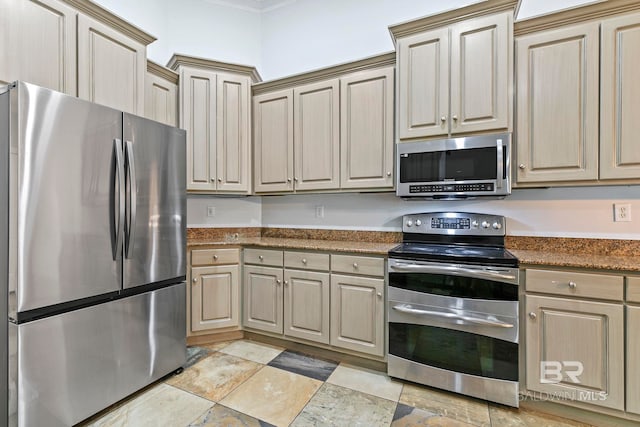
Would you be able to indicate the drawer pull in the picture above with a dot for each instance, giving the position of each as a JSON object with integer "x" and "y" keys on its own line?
{"x": 260, "y": 257}
{"x": 304, "y": 260}
{"x": 215, "y": 257}
{"x": 573, "y": 285}
{"x": 355, "y": 265}
{"x": 532, "y": 316}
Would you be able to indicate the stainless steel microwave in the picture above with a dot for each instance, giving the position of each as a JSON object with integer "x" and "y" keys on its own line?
{"x": 455, "y": 168}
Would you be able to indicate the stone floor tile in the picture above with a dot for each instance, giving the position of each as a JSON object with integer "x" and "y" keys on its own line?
{"x": 512, "y": 417}
{"x": 367, "y": 381}
{"x": 221, "y": 416}
{"x": 304, "y": 365}
{"x": 257, "y": 352}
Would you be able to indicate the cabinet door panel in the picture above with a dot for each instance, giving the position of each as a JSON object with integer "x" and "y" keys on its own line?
{"x": 633, "y": 356}
{"x": 564, "y": 332}
{"x": 357, "y": 314}
{"x": 215, "y": 296}
{"x": 557, "y": 100}
{"x": 306, "y": 305}
{"x": 262, "y": 294}
{"x": 317, "y": 136}
{"x": 366, "y": 125}
{"x": 619, "y": 149}
{"x": 198, "y": 106}
{"x": 423, "y": 84}
{"x": 111, "y": 67}
{"x": 38, "y": 44}
{"x": 480, "y": 74}
{"x": 233, "y": 152}
{"x": 161, "y": 100}
{"x": 273, "y": 141}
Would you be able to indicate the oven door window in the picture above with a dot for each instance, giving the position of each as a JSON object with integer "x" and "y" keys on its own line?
{"x": 455, "y": 351}
{"x": 456, "y": 165}
{"x": 454, "y": 286}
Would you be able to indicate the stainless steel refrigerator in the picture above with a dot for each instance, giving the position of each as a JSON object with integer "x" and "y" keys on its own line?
{"x": 92, "y": 255}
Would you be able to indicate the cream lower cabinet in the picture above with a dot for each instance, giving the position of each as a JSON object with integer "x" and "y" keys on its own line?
{"x": 575, "y": 347}
{"x": 357, "y": 313}
{"x": 215, "y": 110}
{"x": 111, "y": 67}
{"x": 38, "y": 43}
{"x": 306, "y": 305}
{"x": 456, "y": 79}
{"x": 262, "y": 296}
{"x": 633, "y": 344}
{"x": 214, "y": 290}
{"x": 161, "y": 94}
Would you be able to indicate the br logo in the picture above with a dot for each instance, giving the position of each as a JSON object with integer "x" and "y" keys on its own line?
{"x": 553, "y": 371}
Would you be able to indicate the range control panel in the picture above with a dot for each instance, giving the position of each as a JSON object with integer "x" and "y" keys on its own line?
{"x": 454, "y": 223}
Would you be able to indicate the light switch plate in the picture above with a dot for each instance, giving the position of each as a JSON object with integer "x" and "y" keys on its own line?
{"x": 211, "y": 211}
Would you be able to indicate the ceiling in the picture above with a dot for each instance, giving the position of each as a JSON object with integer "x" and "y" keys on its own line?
{"x": 253, "y": 5}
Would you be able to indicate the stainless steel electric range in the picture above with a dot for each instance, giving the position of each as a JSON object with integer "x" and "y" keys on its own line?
{"x": 453, "y": 306}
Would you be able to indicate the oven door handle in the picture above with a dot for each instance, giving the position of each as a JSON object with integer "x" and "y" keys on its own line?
{"x": 480, "y": 273}
{"x": 486, "y": 322}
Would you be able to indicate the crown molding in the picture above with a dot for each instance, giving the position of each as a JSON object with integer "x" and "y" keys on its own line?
{"x": 108, "y": 18}
{"x": 371, "y": 62}
{"x": 575, "y": 15}
{"x": 443, "y": 19}
{"x": 162, "y": 72}
{"x": 178, "y": 60}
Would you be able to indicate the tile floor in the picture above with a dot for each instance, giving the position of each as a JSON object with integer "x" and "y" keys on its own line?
{"x": 244, "y": 383}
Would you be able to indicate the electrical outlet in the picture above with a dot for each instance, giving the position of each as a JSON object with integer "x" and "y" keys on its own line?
{"x": 319, "y": 211}
{"x": 622, "y": 212}
{"x": 211, "y": 211}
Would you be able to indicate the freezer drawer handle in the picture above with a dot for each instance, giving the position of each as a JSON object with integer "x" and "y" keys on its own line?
{"x": 117, "y": 188}
{"x": 132, "y": 189}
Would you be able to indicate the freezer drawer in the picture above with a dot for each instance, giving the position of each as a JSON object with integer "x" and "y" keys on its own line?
{"x": 75, "y": 364}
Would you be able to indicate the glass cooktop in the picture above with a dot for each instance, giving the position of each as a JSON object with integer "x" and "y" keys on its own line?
{"x": 458, "y": 254}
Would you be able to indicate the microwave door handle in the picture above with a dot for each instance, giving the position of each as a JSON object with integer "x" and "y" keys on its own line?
{"x": 487, "y": 322}
{"x": 500, "y": 165}
{"x": 455, "y": 270}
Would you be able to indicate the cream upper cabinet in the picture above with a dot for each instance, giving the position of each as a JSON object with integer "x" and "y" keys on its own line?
{"x": 423, "y": 84}
{"x": 366, "y": 129}
{"x": 111, "y": 67}
{"x": 38, "y": 43}
{"x": 233, "y": 152}
{"x": 633, "y": 356}
{"x": 481, "y": 70}
{"x": 198, "y": 118}
{"x": 273, "y": 141}
{"x": 215, "y": 110}
{"x": 306, "y": 305}
{"x": 557, "y": 104}
{"x": 620, "y": 103}
{"x": 456, "y": 79}
{"x": 161, "y": 94}
{"x": 316, "y": 124}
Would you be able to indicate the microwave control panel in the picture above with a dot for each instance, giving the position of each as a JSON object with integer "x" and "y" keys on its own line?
{"x": 450, "y": 188}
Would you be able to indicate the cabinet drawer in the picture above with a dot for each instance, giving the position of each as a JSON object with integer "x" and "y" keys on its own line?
{"x": 263, "y": 257}
{"x": 633, "y": 289}
{"x": 370, "y": 266}
{"x": 306, "y": 260}
{"x": 569, "y": 283}
{"x": 214, "y": 256}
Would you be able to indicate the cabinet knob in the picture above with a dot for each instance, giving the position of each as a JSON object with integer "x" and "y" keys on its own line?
{"x": 260, "y": 257}
{"x": 443, "y": 119}
{"x": 355, "y": 265}
{"x": 379, "y": 294}
{"x": 286, "y": 282}
{"x": 278, "y": 281}
{"x": 219, "y": 179}
{"x": 455, "y": 118}
{"x": 194, "y": 280}
{"x": 215, "y": 257}
{"x": 304, "y": 260}
{"x": 573, "y": 285}
{"x": 288, "y": 179}
{"x": 295, "y": 179}
{"x": 522, "y": 166}
{"x": 532, "y": 316}
{"x": 388, "y": 173}
{"x": 213, "y": 180}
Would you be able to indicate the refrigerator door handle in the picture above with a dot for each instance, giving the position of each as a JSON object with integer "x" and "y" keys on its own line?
{"x": 132, "y": 199}
{"x": 119, "y": 216}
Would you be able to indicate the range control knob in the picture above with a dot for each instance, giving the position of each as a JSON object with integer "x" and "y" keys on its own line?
{"x": 497, "y": 225}
{"x": 418, "y": 223}
{"x": 485, "y": 224}
{"x": 474, "y": 224}
{"x": 409, "y": 223}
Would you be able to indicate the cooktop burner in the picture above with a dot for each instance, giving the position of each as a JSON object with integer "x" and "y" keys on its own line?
{"x": 459, "y": 254}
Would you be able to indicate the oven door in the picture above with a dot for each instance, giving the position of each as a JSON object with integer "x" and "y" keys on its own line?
{"x": 455, "y": 327}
